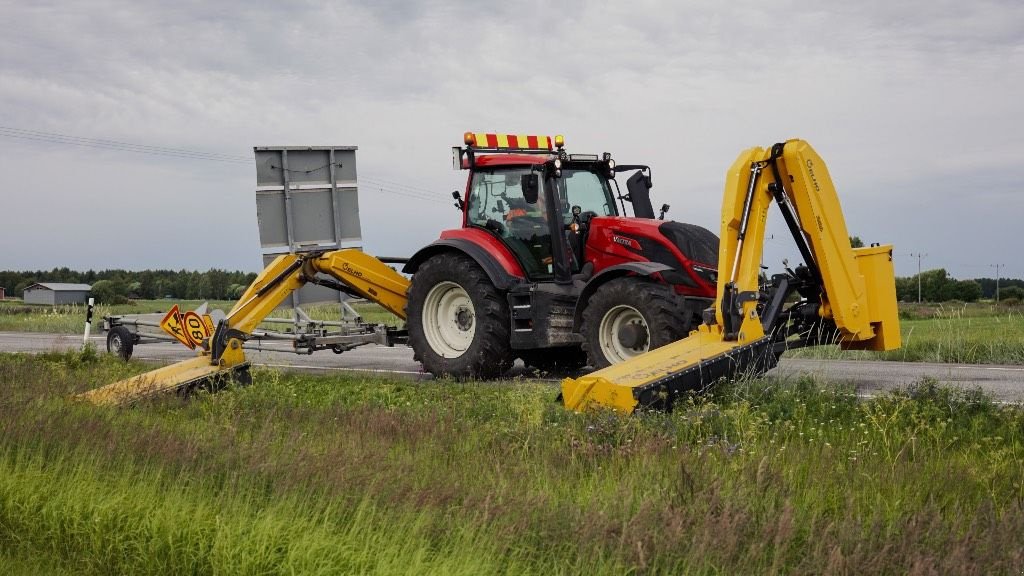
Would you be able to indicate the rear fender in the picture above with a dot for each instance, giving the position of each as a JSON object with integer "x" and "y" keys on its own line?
{"x": 500, "y": 277}
{"x": 646, "y": 269}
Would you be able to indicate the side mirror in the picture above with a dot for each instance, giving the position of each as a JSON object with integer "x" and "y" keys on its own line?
{"x": 530, "y": 183}
{"x": 640, "y": 195}
{"x": 459, "y": 203}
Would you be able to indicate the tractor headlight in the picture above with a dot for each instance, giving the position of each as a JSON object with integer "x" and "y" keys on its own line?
{"x": 558, "y": 163}
{"x": 611, "y": 164}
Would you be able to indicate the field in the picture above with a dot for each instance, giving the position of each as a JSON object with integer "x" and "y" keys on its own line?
{"x": 345, "y": 475}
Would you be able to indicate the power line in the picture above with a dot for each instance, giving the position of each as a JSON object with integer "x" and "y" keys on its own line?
{"x": 400, "y": 185}
{"x": 373, "y": 183}
{"x": 406, "y": 194}
{"x": 100, "y": 143}
{"x": 380, "y": 184}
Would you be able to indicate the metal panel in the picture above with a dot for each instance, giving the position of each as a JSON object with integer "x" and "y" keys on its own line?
{"x": 38, "y": 296}
{"x": 270, "y": 215}
{"x": 307, "y": 198}
{"x": 348, "y": 214}
{"x": 69, "y": 297}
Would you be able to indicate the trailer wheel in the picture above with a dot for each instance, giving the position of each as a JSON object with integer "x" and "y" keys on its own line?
{"x": 629, "y": 316}
{"x": 458, "y": 321}
{"x": 120, "y": 342}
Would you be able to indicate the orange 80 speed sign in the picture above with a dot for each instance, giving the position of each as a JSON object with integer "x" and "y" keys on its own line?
{"x": 189, "y": 328}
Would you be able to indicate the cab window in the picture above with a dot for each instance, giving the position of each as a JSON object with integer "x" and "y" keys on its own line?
{"x": 496, "y": 202}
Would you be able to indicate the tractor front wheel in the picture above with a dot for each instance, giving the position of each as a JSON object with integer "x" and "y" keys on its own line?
{"x": 458, "y": 321}
{"x": 629, "y": 316}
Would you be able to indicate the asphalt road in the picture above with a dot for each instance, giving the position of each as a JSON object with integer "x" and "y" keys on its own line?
{"x": 1004, "y": 383}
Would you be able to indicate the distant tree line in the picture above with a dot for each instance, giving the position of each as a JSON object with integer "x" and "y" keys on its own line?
{"x": 988, "y": 287}
{"x": 117, "y": 286}
{"x": 938, "y": 286}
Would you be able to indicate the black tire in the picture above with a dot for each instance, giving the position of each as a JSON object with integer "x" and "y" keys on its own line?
{"x": 487, "y": 353}
{"x": 120, "y": 342}
{"x": 556, "y": 361}
{"x": 661, "y": 310}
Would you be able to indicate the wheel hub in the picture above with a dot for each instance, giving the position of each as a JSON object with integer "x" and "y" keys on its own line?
{"x": 633, "y": 335}
{"x": 464, "y": 318}
{"x": 623, "y": 334}
{"x": 449, "y": 320}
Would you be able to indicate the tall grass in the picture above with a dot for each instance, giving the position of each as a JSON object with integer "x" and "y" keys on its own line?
{"x": 70, "y": 318}
{"x": 341, "y": 475}
{"x": 954, "y": 334}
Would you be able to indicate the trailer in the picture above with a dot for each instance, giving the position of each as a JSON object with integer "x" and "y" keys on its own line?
{"x": 299, "y": 334}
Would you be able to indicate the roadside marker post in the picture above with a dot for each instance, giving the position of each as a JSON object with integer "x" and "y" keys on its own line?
{"x": 88, "y": 321}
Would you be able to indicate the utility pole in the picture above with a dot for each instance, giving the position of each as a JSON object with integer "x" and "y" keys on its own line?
{"x": 919, "y": 257}
{"x": 997, "y": 267}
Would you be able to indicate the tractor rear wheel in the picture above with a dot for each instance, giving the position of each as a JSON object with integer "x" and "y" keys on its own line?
{"x": 629, "y": 316}
{"x": 458, "y": 321}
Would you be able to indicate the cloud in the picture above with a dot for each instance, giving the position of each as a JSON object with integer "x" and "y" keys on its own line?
{"x": 913, "y": 104}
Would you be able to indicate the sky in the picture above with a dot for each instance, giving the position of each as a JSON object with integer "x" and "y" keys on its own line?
{"x": 914, "y": 105}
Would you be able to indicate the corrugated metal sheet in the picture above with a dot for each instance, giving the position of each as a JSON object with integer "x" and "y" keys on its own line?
{"x": 60, "y": 287}
{"x": 53, "y": 293}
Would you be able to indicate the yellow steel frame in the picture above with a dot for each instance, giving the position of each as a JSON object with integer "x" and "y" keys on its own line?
{"x": 359, "y": 272}
{"x": 859, "y": 284}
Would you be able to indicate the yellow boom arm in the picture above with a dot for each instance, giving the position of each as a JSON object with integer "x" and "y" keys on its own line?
{"x": 351, "y": 271}
{"x": 848, "y": 295}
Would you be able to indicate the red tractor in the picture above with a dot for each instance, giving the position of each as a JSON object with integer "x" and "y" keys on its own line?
{"x": 548, "y": 267}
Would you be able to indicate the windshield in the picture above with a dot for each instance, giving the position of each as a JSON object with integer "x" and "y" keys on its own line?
{"x": 587, "y": 190}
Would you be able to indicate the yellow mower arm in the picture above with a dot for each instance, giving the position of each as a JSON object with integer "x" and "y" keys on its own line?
{"x": 847, "y": 295}
{"x": 352, "y": 271}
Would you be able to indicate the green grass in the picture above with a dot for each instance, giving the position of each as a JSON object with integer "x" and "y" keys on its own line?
{"x": 967, "y": 334}
{"x": 342, "y": 475}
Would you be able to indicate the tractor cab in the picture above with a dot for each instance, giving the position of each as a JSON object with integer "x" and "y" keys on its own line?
{"x": 538, "y": 199}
